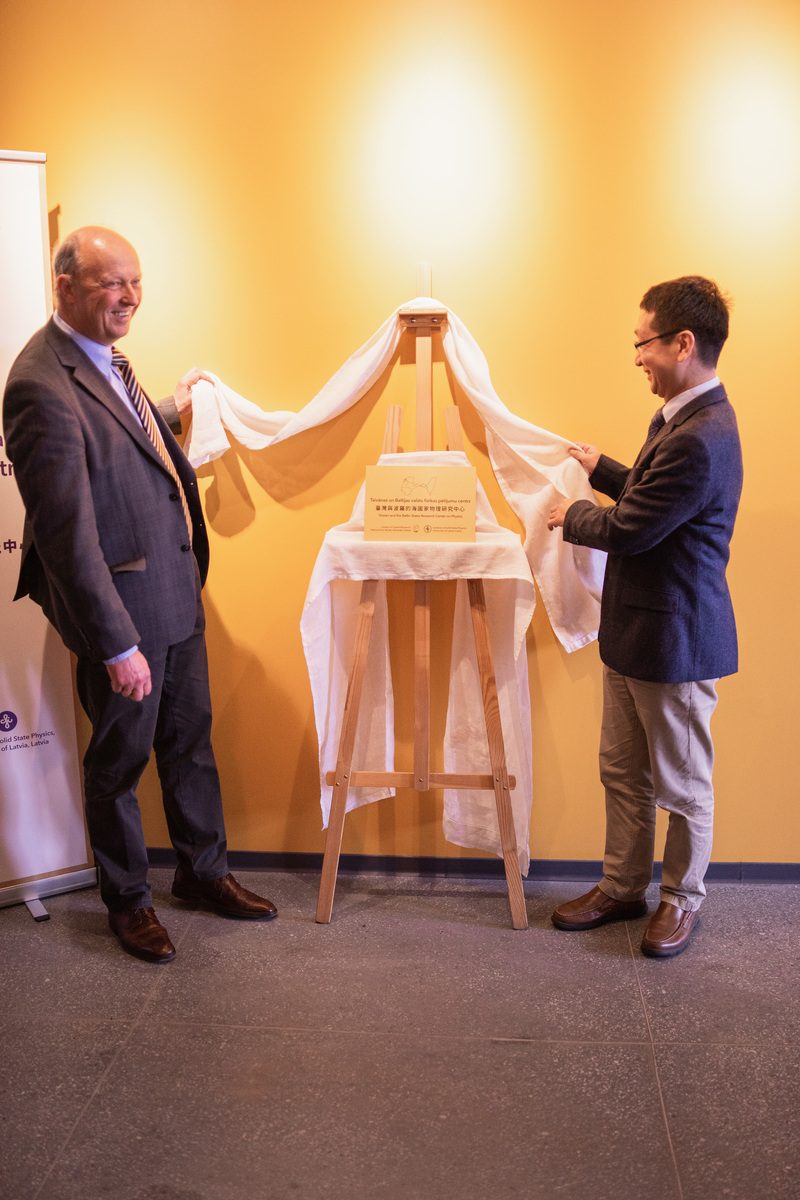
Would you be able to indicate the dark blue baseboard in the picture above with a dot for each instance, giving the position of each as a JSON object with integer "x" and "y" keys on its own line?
{"x": 541, "y": 868}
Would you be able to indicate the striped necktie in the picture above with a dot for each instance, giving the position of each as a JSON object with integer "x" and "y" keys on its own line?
{"x": 655, "y": 425}
{"x": 142, "y": 406}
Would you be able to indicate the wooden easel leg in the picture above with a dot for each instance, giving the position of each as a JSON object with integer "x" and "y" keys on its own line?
{"x": 424, "y": 358}
{"x": 333, "y": 841}
{"x": 497, "y": 753}
{"x": 422, "y": 684}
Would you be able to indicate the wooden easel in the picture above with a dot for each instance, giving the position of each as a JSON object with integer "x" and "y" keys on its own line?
{"x": 422, "y": 778}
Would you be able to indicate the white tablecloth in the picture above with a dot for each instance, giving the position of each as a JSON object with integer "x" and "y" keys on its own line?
{"x": 328, "y": 628}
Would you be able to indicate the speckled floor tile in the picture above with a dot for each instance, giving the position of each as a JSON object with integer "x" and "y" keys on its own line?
{"x": 737, "y": 981}
{"x": 734, "y": 1117}
{"x": 415, "y": 1048}
{"x": 233, "y": 1115}
{"x": 49, "y": 1070}
{"x": 429, "y": 959}
{"x": 72, "y": 965}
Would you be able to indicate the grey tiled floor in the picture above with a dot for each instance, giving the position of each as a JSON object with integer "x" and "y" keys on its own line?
{"x": 417, "y": 1047}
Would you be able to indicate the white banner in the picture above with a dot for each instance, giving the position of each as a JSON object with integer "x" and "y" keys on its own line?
{"x": 43, "y": 843}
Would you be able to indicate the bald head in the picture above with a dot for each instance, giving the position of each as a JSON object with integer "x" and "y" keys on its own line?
{"x": 98, "y": 283}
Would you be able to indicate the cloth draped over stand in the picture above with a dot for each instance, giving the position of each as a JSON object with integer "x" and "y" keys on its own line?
{"x": 534, "y": 470}
{"x": 328, "y": 628}
{"x": 532, "y": 466}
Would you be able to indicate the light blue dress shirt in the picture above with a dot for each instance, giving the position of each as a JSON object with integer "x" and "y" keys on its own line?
{"x": 101, "y": 357}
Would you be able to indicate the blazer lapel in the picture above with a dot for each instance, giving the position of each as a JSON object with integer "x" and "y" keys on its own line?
{"x": 713, "y": 396}
{"x": 86, "y": 374}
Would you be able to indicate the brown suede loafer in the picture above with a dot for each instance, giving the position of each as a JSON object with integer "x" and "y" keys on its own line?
{"x": 596, "y": 908}
{"x": 223, "y": 895}
{"x": 669, "y": 931}
{"x": 141, "y": 933}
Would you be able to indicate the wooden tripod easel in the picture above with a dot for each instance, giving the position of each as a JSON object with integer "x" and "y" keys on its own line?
{"x": 422, "y": 778}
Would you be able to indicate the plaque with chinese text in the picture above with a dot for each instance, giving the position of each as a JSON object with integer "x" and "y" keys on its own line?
{"x": 420, "y": 504}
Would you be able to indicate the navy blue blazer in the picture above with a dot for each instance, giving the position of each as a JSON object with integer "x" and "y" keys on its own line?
{"x": 105, "y": 548}
{"x": 666, "y": 613}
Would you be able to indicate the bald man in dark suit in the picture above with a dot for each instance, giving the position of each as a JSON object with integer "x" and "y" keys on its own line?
{"x": 115, "y": 551}
{"x": 667, "y": 630}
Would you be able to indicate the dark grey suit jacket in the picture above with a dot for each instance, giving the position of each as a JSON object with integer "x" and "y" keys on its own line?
{"x": 666, "y": 612}
{"x": 105, "y": 550}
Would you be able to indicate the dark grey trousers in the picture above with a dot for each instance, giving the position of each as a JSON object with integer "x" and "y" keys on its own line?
{"x": 174, "y": 721}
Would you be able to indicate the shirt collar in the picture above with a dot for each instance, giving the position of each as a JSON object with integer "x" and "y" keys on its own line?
{"x": 677, "y": 402}
{"x": 99, "y": 354}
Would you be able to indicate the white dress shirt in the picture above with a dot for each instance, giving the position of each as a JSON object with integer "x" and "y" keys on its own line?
{"x": 677, "y": 402}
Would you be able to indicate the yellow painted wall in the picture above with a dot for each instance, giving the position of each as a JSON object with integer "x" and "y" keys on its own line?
{"x": 282, "y": 169}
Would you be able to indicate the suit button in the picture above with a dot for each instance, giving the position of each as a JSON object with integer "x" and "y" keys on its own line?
{"x": 186, "y": 549}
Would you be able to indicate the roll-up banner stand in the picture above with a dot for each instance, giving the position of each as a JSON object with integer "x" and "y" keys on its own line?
{"x": 43, "y": 844}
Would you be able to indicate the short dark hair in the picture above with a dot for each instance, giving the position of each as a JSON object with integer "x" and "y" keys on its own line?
{"x": 695, "y": 303}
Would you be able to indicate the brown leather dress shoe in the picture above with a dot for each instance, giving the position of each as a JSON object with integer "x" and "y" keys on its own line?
{"x": 669, "y": 931}
{"x": 596, "y": 908}
{"x": 141, "y": 933}
{"x": 223, "y": 895}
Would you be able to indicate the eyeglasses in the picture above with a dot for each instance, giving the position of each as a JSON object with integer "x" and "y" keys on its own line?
{"x": 654, "y": 338}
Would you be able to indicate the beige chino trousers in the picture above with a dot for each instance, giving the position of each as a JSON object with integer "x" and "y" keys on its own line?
{"x": 656, "y": 752}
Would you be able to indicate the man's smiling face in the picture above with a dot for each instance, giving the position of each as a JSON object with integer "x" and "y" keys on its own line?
{"x": 100, "y": 299}
{"x": 659, "y": 356}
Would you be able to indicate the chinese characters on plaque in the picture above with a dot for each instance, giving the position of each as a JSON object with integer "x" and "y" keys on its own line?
{"x": 420, "y": 504}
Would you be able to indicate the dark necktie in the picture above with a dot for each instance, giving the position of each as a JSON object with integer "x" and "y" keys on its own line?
{"x": 142, "y": 406}
{"x": 655, "y": 425}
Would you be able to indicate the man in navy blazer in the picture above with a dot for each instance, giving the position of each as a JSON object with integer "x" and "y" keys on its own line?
{"x": 115, "y": 551}
{"x": 667, "y": 630}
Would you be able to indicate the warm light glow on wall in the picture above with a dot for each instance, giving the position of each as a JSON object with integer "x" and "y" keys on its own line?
{"x": 550, "y": 160}
{"x": 747, "y": 143}
{"x": 437, "y": 154}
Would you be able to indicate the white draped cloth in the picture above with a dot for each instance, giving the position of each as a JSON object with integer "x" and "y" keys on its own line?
{"x": 328, "y": 628}
{"x": 532, "y": 466}
{"x": 535, "y": 471}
